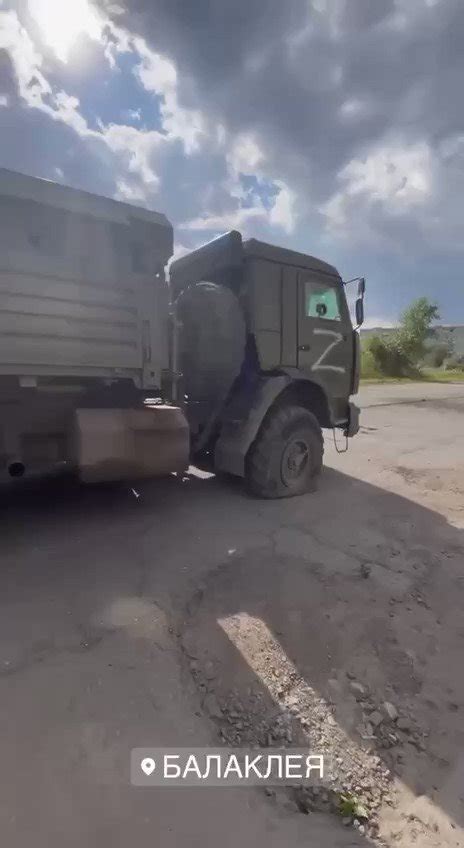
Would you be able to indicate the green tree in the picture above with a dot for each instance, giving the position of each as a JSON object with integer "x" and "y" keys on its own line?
{"x": 409, "y": 339}
{"x": 399, "y": 353}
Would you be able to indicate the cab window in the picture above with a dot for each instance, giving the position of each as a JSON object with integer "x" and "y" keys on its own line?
{"x": 321, "y": 301}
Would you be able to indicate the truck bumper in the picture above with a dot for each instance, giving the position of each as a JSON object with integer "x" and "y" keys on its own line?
{"x": 353, "y": 420}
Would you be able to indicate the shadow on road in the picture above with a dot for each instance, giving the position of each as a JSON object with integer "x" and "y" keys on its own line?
{"x": 274, "y": 596}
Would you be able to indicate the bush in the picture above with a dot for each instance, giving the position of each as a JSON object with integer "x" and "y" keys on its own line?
{"x": 436, "y": 355}
{"x": 387, "y": 357}
{"x": 454, "y": 363}
{"x": 398, "y": 354}
{"x": 369, "y": 370}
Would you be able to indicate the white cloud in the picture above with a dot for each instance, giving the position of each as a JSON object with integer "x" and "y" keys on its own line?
{"x": 400, "y": 195}
{"x": 397, "y": 175}
{"x": 3, "y": 100}
{"x": 130, "y": 192}
{"x": 392, "y": 180}
{"x": 62, "y": 22}
{"x": 156, "y": 73}
{"x": 159, "y": 76}
{"x": 282, "y": 214}
{"x": 245, "y": 156}
{"x": 134, "y": 148}
{"x": 135, "y": 114}
{"x": 451, "y": 149}
{"x": 373, "y": 323}
{"x": 179, "y": 250}
{"x": 117, "y": 40}
{"x": 34, "y": 88}
{"x": 137, "y": 149}
{"x": 66, "y": 109}
{"x": 355, "y": 108}
{"x": 26, "y": 59}
{"x": 239, "y": 219}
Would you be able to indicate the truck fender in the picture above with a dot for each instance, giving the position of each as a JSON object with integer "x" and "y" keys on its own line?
{"x": 244, "y": 416}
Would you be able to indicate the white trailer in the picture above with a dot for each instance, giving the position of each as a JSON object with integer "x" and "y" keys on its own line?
{"x": 83, "y": 331}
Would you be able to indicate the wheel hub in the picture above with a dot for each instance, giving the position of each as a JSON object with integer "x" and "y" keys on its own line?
{"x": 295, "y": 460}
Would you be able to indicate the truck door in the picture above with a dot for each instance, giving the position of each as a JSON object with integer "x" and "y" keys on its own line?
{"x": 325, "y": 334}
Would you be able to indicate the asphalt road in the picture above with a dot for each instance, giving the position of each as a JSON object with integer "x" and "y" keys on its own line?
{"x": 96, "y": 587}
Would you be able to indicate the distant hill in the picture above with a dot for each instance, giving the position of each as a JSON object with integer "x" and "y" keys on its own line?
{"x": 441, "y": 333}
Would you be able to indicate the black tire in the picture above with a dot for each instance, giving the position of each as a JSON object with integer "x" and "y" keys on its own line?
{"x": 286, "y": 458}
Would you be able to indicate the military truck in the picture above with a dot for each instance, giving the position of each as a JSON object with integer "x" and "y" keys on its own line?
{"x": 238, "y": 361}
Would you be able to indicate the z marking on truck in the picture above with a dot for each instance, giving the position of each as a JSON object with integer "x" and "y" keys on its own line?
{"x": 337, "y": 338}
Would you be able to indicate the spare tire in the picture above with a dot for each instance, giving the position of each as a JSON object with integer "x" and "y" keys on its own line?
{"x": 211, "y": 340}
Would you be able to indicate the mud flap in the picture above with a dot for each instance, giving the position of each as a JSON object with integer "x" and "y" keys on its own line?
{"x": 353, "y": 420}
{"x": 120, "y": 444}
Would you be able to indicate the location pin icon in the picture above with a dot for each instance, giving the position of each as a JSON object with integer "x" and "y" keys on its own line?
{"x": 148, "y": 766}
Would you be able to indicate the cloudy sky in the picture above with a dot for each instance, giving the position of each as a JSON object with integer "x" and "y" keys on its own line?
{"x": 335, "y": 127}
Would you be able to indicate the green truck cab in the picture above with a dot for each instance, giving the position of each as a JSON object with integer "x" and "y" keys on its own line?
{"x": 291, "y": 359}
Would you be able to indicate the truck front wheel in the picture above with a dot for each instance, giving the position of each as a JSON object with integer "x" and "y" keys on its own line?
{"x": 286, "y": 458}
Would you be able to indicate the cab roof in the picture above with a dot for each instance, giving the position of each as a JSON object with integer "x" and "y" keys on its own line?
{"x": 262, "y": 250}
{"x": 225, "y": 255}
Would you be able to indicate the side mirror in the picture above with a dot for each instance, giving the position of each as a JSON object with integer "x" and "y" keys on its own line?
{"x": 361, "y": 287}
{"x": 359, "y": 307}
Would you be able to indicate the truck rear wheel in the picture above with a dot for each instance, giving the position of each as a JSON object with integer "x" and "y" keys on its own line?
{"x": 286, "y": 458}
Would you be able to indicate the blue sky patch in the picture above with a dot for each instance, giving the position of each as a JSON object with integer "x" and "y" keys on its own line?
{"x": 257, "y": 190}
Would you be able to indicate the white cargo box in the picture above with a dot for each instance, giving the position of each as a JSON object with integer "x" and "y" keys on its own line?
{"x": 82, "y": 287}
